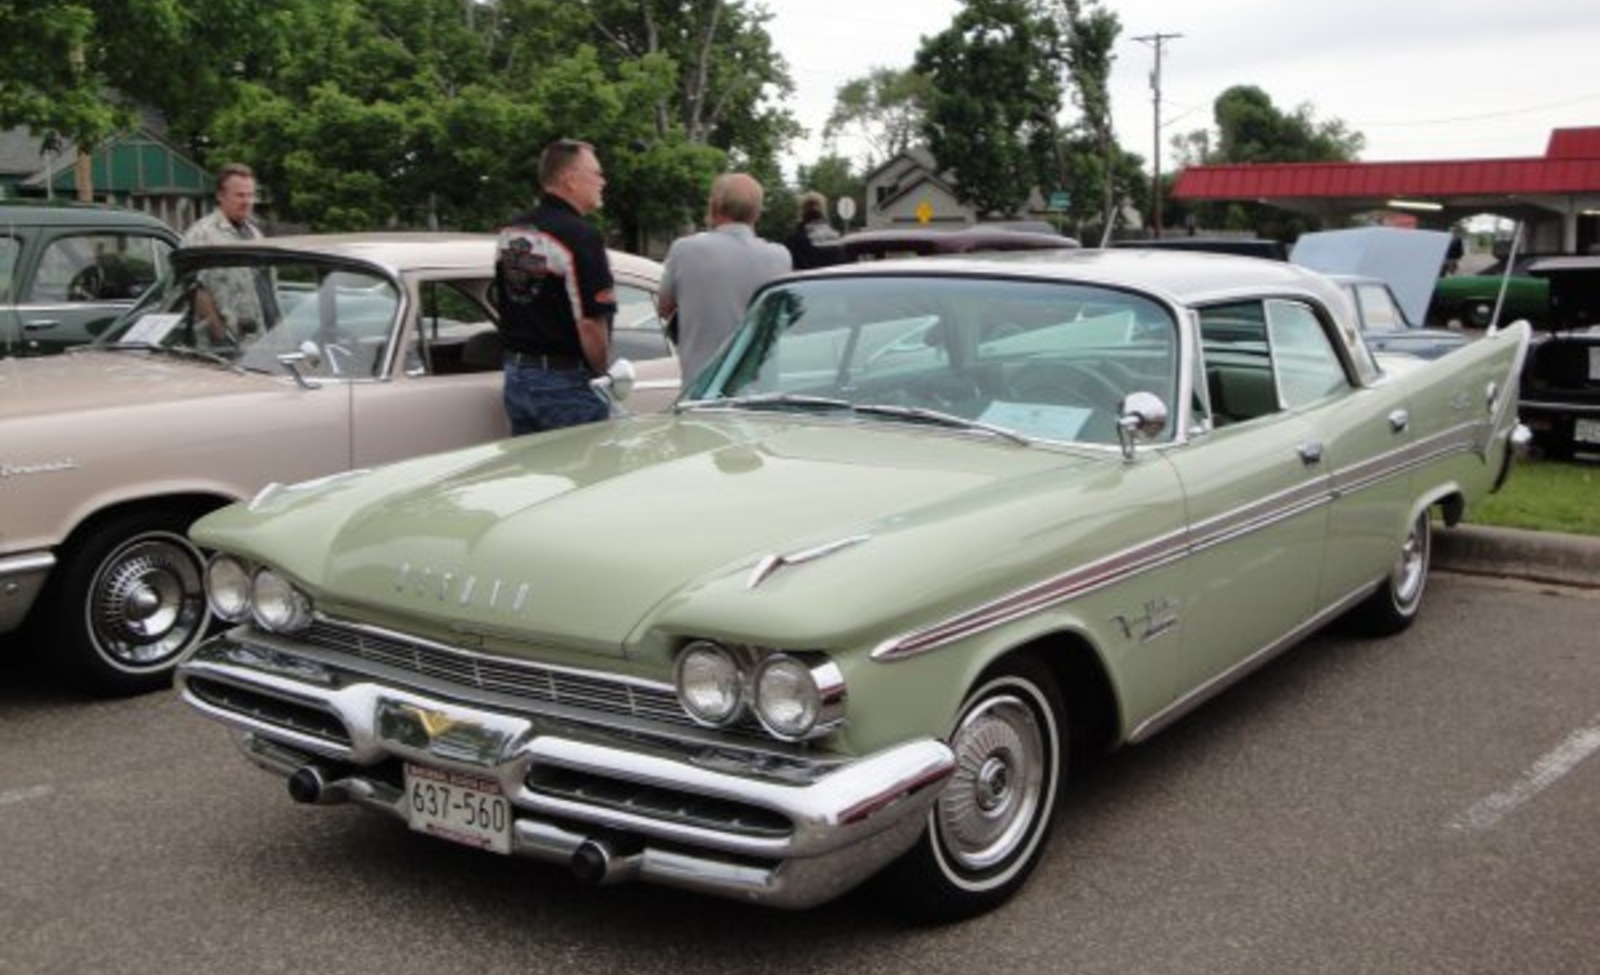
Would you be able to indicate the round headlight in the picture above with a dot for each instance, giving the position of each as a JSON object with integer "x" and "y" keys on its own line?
{"x": 788, "y": 701}
{"x": 710, "y": 686}
{"x": 279, "y": 606}
{"x": 228, "y": 588}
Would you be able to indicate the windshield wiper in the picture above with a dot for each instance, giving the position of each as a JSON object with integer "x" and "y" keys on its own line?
{"x": 923, "y": 415}
{"x": 915, "y": 413}
{"x": 178, "y": 351}
{"x": 769, "y": 401}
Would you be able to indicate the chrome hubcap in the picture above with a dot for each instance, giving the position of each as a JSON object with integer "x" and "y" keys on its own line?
{"x": 148, "y": 602}
{"x": 993, "y": 799}
{"x": 1410, "y": 569}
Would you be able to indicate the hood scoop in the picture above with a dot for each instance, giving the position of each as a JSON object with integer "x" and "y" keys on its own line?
{"x": 771, "y": 564}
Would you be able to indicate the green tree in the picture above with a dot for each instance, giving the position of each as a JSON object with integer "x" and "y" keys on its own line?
{"x": 375, "y": 113}
{"x": 1251, "y": 129}
{"x": 82, "y": 68}
{"x": 886, "y": 110}
{"x": 991, "y": 119}
{"x": 1090, "y": 177}
{"x": 1088, "y": 35}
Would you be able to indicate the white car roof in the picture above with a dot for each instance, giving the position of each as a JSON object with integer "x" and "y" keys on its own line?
{"x": 1187, "y": 277}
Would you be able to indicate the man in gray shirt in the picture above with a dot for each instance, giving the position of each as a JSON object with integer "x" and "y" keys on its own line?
{"x": 710, "y": 276}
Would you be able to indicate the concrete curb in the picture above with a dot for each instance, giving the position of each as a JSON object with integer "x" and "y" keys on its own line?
{"x": 1568, "y": 560}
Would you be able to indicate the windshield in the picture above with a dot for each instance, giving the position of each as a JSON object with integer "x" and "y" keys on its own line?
{"x": 248, "y": 309}
{"x": 1038, "y": 359}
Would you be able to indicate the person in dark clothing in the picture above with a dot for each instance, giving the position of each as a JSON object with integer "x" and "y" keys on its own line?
{"x": 814, "y": 242}
{"x": 556, "y": 297}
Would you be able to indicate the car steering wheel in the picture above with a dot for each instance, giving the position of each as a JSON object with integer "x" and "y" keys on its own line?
{"x": 87, "y": 284}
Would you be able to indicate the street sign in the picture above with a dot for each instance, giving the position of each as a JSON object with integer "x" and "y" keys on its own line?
{"x": 924, "y": 212}
{"x": 846, "y": 208}
{"x": 1060, "y": 200}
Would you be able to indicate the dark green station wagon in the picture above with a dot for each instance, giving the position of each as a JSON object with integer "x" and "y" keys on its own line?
{"x": 68, "y": 270}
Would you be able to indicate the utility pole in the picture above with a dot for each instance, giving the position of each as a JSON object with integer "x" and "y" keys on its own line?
{"x": 1156, "y": 41}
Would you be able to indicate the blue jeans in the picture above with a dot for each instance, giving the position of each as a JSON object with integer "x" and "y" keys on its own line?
{"x": 546, "y": 399}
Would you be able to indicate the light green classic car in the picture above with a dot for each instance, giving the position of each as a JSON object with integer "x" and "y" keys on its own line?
{"x": 925, "y": 531}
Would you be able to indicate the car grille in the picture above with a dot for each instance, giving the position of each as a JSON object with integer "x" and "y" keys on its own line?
{"x": 271, "y": 710}
{"x": 515, "y": 678}
{"x": 654, "y": 802}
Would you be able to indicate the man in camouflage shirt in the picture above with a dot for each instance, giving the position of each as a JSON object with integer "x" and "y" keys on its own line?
{"x": 232, "y": 303}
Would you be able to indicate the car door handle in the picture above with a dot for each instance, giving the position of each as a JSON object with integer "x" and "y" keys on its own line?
{"x": 40, "y": 324}
{"x": 1311, "y": 452}
{"x": 1399, "y": 420}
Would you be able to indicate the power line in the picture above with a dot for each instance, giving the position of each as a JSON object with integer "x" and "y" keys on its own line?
{"x": 1484, "y": 115}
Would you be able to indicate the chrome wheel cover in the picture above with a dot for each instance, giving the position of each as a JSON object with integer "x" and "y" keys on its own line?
{"x": 147, "y": 602}
{"x": 1410, "y": 573}
{"x": 990, "y": 806}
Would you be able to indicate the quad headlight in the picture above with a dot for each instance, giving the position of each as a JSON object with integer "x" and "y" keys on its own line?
{"x": 277, "y": 605}
{"x": 710, "y": 683}
{"x": 239, "y": 591}
{"x": 228, "y": 588}
{"x": 793, "y": 696}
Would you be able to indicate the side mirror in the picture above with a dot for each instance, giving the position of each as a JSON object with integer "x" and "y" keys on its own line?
{"x": 619, "y": 380}
{"x": 1140, "y": 419}
{"x": 308, "y": 355}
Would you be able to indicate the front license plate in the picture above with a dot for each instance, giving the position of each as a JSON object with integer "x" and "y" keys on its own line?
{"x": 460, "y": 808}
{"x": 1586, "y": 431}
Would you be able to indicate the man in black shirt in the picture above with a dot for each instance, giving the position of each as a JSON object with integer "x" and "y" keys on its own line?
{"x": 556, "y": 297}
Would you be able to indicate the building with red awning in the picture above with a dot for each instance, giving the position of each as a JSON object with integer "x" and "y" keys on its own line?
{"x": 1556, "y": 196}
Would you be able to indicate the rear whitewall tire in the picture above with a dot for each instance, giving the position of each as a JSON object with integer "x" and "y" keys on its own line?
{"x": 1394, "y": 605}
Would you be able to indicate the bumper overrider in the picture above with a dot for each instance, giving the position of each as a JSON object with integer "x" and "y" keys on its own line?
{"x": 615, "y": 797}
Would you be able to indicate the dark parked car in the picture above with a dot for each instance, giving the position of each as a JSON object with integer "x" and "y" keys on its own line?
{"x": 1271, "y": 250}
{"x": 1470, "y": 299}
{"x": 1387, "y": 328}
{"x": 1561, "y": 380}
{"x": 68, "y": 270}
{"x": 873, "y": 245}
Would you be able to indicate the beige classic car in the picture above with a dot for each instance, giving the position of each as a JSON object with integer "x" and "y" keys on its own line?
{"x": 358, "y": 350}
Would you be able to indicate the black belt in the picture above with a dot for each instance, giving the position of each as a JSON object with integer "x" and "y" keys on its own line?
{"x": 554, "y": 361}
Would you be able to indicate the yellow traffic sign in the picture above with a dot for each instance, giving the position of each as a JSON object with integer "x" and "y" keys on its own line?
{"x": 924, "y": 212}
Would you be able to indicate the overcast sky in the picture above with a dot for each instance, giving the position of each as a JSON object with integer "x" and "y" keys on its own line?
{"x": 1421, "y": 79}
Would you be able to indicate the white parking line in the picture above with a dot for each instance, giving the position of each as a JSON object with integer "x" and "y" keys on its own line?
{"x": 1547, "y": 771}
{"x": 13, "y": 796}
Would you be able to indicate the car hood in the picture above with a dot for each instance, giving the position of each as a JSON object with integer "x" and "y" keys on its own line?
{"x": 589, "y": 539}
{"x": 91, "y": 379}
{"x": 1407, "y": 260}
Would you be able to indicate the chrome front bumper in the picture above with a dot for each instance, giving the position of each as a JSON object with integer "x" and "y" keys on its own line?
{"x": 22, "y": 577}
{"x": 730, "y": 819}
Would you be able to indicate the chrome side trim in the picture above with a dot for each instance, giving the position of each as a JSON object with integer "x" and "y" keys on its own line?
{"x": 1225, "y": 527}
{"x": 1069, "y": 585}
{"x": 1257, "y": 515}
{"x": 772, "y": 563}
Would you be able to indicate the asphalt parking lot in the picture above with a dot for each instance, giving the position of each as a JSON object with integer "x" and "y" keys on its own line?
{"x": 1420, "y": 804}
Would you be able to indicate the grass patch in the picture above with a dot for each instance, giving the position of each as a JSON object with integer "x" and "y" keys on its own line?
{"x": 1544, "y": 495}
